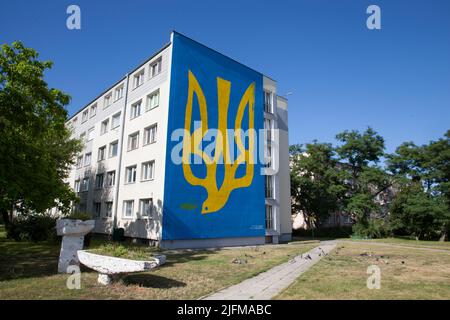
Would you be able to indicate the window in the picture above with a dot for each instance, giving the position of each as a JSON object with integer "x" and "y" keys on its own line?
{"x": 115, "y": 121}
{"x": 138, "y": 78}
{"x": 110, "y": 178}
{"x": 148, "y": 170}
{"x": 155, "y": 68}
{"x": 128, "y": 208}
{"x": 85, "y": 184}
{"x": 79, "y": 161}
{"x": 133, "y": 141}
{"x": 87, "y": 159}
{"x": 269, "y": 186}
{"x": 118, "y": 93}
{"x": 268, "y": 102}
{"x": 93, "y": 110}
{"x": 74, "y": 121}
{"x": 150, "y": 134}
{"x": 113, "y": 146}
{"x": 269, "y": 216}
{"x": 83, "y": 136}
{"x": 135, "y": 109}
{"x": 97, "y": 209}
{"x": 109, "y": 208}
{"x": 85, "y": 115}
{"x": 107, "y": 101}
{"x": 77, "y": 186}
{"x": 99, "y": 181}
{"x": 152, "y": 100}
{"x": 268, "y": 128}
{"x": 101, "y": 153}
{"x": 268, "y": 156}
{"x": 131, "y": 174}
{"x": 91, "y": 133}
{"x": 146, "y": 207}
{"x": 104, "y": 126}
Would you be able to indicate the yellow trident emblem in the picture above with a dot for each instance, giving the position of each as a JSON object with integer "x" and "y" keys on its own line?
{"x": 218, "y": 196}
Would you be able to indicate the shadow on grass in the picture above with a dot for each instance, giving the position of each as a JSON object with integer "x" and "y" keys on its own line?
{"x": 27, "y": 259}
{"x": 20, "y": 260}
{"x": 148, "y": 280}
{"x": 185, "y": 256}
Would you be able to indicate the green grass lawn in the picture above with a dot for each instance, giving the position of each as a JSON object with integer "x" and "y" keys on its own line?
{"x": 405, "y": 274}
{"x": 28, "y": 271}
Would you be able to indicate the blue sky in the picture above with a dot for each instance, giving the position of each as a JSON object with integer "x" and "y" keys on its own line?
{"x": 341, "y": 75}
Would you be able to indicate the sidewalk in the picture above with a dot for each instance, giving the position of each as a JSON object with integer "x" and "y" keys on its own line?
{"x": 268, "y": 284}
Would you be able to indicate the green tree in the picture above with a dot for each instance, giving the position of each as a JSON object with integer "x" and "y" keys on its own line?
{"x": 36, "y": 148}
{"x": 316, "y": 182}
{"x": 423, "y": 206}
{"x": 359, "y": 154}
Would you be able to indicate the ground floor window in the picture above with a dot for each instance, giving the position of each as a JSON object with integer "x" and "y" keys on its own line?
{"x": 269, "y": 216}
{"x": 146, "y": 207}
{"x": 109, "y": 208}
{"x": 97, "y": 209}
{"x": 128, "y": 208}
{"x": 269, "y": 186}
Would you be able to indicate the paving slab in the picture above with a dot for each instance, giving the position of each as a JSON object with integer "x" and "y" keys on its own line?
{"x": 268, "y": 284}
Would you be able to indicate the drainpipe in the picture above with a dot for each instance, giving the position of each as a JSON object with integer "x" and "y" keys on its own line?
{"x": 121, "y": 152}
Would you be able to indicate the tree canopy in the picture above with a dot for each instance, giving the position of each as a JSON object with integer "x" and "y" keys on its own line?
{"x": 348, "y": 177}
{"x": 36, "y": 148}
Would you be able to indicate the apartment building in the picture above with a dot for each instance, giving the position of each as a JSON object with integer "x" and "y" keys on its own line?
{"x": 142, "y": 169}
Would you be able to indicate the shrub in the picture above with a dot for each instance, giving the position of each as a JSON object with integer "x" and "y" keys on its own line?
{"x": 32, "y": 228}
{"x": 373, "y": 229}
{"x": 79, "y": 215}
{"x": 325, "y": 232}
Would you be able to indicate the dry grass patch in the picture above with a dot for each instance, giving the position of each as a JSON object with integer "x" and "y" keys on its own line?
{"x": 405, "y": 274}
{"x": 442, "y": 245}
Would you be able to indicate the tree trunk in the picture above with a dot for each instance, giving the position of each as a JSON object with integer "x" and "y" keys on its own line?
{"x": 443, "y": 236}
{"x": 5, "y": 216}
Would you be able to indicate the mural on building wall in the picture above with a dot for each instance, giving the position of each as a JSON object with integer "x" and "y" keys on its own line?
{"x": 217, "y": 189}
{"x": 218, "y": 194}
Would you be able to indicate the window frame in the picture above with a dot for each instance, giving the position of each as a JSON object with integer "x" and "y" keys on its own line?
{"x": 89, "y": 132}
{"x": 133, "y": 174}
{"x": 268, "y": 102}
{"x": 155, "y": 93}
{"x": 104, "y": 128}
{"x": 141, "y": 208}
{"x": 130, "y": 137}
{"x": 93, "y": 113}
{"x": 117, "y": 115}
{"x": 107, "y": 214}
{"x": 156, "y": 62}
{"x": 116, "y": 143}
{"x": 110, "y": 182}
{"x": 147, "y": 131}
{"x": 125, "y": 209}
{"x": 135, "y": 106}
{"x": 102, "y": 175}
{"x": 85, "y": 115}
{"x": 90, "y": 159}
{"x": 138, "y": 78}
{"x": 107, "y": 100}
{"x": 269, "y": 221}
{"x": 152, "y": 170}
{"x": 102, "y": 153}
{"x": 118, "y": 89}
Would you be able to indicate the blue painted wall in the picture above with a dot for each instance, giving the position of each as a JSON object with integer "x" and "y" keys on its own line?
{"x": 243, "y": 213}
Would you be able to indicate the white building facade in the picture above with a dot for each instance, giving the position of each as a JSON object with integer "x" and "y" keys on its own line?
{"x": 121, "y": 177}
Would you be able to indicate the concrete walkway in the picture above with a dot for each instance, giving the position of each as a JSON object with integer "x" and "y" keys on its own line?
{"x": 268, "y": 284}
